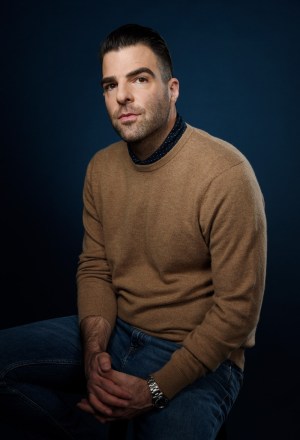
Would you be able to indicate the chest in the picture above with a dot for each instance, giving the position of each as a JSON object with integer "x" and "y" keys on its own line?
{"x": 154, "y": 215}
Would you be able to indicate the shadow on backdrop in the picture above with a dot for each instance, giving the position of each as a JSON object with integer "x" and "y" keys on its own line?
{"x": 238, "y": 66}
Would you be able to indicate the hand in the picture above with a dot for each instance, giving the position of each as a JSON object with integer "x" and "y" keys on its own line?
{"x": 113, "y": 395}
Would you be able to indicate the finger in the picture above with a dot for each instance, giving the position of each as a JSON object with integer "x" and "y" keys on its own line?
{"x": 85, "y": 406}
{"x": 104, "y": 402}
{"x": 104, "y": 419}
{"x": 107, "y": 382}
{"x": 99, "y": 406}
{"x": 100, "y": 384}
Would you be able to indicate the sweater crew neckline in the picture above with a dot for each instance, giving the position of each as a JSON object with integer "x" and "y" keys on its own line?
{"x": 167, "y": 157}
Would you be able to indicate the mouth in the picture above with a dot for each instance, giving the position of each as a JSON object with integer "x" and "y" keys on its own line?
{"x": 128, "y": 117}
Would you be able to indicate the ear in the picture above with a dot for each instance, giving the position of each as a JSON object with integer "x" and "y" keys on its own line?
{"x": 174, "y": 89}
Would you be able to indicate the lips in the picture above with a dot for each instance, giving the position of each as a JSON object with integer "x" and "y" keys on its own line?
{"x": 125, "y": 117}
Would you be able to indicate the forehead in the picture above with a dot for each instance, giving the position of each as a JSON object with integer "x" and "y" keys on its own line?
{"x": 126, "y": 59}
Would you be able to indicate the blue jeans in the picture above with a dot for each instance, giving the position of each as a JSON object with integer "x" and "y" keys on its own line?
{"x": 42, "y": 379}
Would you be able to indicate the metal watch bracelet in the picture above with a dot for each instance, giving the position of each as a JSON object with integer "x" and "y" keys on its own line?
{"x": 159, "y": 400}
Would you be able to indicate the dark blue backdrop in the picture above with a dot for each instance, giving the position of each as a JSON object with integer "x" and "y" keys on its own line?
{"x": 238, "y": 66}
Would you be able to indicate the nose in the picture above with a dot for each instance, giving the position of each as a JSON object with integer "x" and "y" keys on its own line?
{"x": 124, "y": 94}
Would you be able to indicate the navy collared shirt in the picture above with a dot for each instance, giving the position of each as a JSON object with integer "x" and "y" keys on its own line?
{"x": 171, "y": 140}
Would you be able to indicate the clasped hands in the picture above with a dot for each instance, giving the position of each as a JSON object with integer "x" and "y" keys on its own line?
{"x": 112, "y": 395}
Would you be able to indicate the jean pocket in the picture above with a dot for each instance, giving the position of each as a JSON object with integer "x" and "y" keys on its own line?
{"x": 229, "y": 377}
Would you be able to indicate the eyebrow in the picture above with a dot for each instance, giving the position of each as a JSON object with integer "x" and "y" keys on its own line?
{"x": 135, "y": 72}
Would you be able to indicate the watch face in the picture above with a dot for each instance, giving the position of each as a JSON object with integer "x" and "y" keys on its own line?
{"x": 161, "y": 402}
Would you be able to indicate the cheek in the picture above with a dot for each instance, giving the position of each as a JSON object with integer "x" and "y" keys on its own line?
{"x": 148, "y": 100}
{"x": 108, "y": 105}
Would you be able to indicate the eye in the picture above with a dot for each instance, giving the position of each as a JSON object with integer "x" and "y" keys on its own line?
{"x": 141, "y": 79}
{"x": 108, "y": 87}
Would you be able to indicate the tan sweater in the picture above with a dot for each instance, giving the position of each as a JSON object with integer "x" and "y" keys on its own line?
{"x": 178, "y": 249}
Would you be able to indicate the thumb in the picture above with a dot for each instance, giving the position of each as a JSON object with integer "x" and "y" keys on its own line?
{"x": 105, "y": 362}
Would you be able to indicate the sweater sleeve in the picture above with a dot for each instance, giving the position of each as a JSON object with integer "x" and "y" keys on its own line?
{"x": 95, "y": 294}
{"x": 232, "y": 222}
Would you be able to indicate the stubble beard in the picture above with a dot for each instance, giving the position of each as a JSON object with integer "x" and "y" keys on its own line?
{"x": 150, "y": 125}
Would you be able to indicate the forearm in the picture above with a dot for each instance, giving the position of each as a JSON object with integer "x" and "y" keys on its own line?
{"x": 95, "y": 332}
{"x": 111, "y": 395}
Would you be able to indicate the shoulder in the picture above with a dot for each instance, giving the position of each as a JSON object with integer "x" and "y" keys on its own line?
{"x": 108, "y": 157}
{"x": 109, "y": 153}
{"x": 220, "y": 164}
{"x": 213, "y": 153}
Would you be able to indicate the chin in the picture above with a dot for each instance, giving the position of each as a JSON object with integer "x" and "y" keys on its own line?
{"x": 129, "y": 137}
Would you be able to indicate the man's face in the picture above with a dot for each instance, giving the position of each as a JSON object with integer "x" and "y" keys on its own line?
{"x": 140, "y": 105}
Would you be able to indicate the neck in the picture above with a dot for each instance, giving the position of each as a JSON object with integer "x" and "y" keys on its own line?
{"x": 143, "y": 149}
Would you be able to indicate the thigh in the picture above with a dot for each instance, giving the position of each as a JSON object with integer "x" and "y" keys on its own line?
{"x": 197, "y": 412}
{"x": 42, "y": 379}
{"x": 45, "y": 351}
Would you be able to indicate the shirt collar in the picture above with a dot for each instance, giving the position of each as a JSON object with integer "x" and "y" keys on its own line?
{"x": 171, "y": 140}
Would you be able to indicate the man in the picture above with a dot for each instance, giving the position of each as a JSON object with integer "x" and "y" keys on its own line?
{"x": 170, "y": 278}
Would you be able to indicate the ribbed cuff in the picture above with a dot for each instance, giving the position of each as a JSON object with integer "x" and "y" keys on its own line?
{"x": 182, "y": 370}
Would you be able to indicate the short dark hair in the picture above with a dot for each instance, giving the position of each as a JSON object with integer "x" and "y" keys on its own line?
{"x": 132, "y": 34}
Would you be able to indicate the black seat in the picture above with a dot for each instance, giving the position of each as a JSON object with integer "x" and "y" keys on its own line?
{"x": 118, "y": 431}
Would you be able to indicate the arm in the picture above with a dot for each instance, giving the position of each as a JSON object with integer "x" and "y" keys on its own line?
{"x": 95, "y": 332}
{"x": 103, "y": 392}
{"x": 95, "y": 294}
{"x": 110, "y": 394}
{"x": 232, "y": 222}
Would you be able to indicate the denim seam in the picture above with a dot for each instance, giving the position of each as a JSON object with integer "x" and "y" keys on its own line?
{"x": 33, "y": 404}
{"x": 15, "y": 365}
{"x": 132, "y": 349}
{"x": 222, "y": 405}
{"x": 227, "y": 397}
{"x": 26, "y": 399}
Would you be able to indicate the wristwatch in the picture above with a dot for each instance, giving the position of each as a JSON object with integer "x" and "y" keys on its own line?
{"x": 159, "y": 400}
